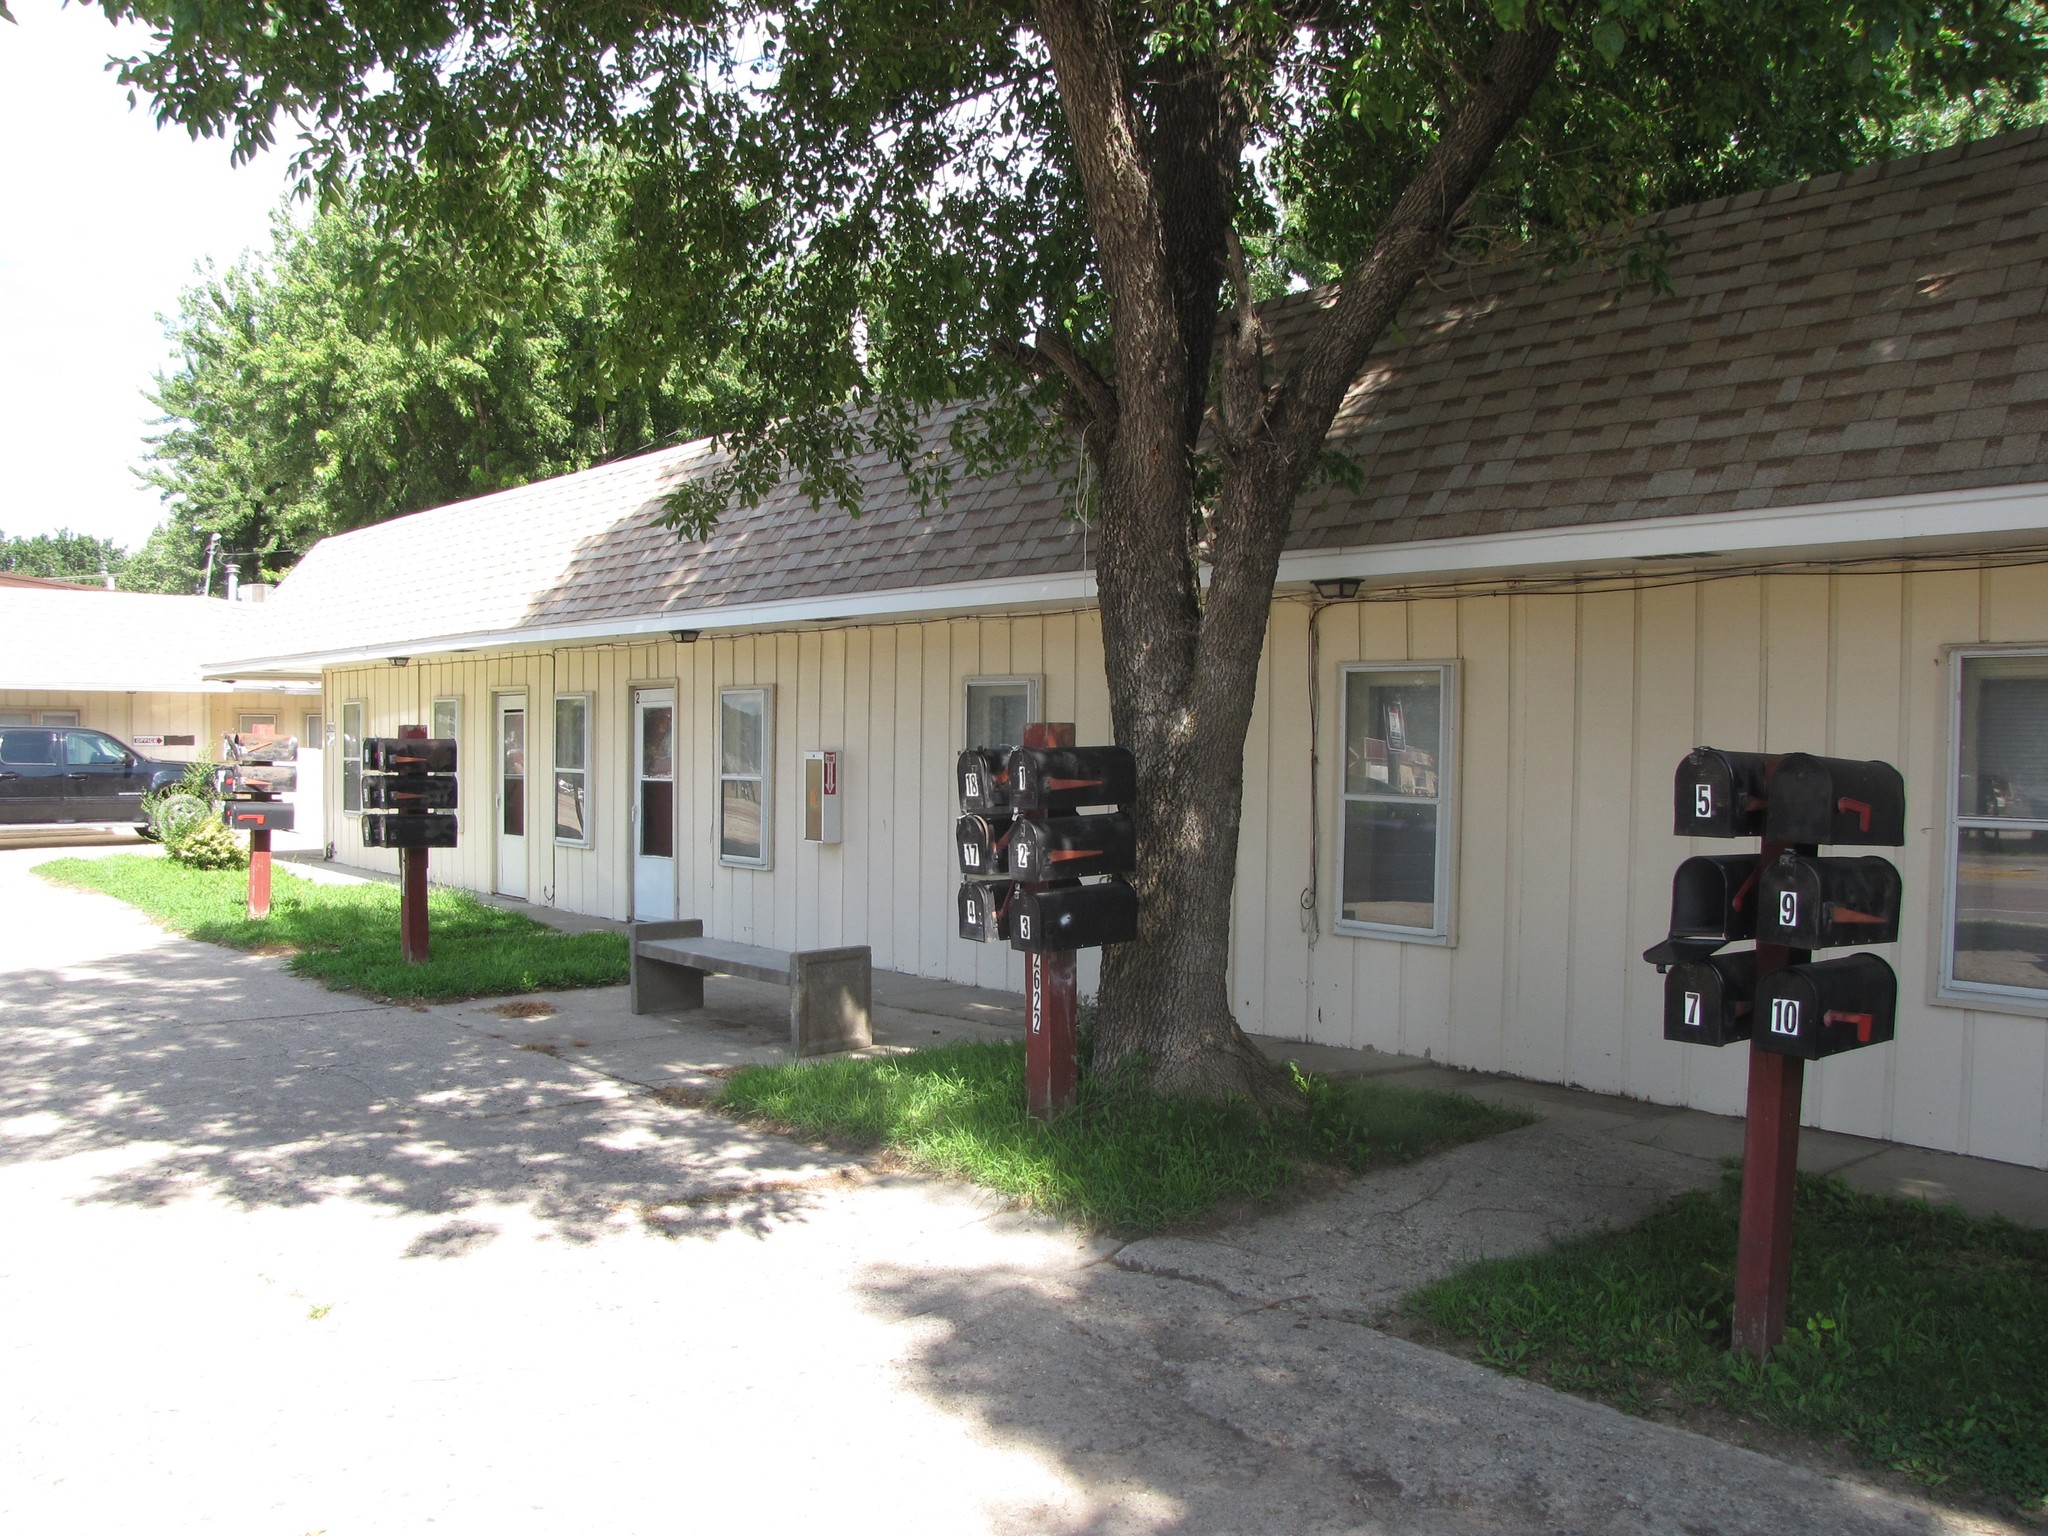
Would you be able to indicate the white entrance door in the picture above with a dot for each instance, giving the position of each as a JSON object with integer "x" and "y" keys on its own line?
{"x": 654, "y": 805}
{"x": 511, "y": 796}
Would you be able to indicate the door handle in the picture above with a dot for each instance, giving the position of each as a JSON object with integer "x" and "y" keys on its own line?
{"x": 9, "y": 775}
{"x": 78, "y": 776}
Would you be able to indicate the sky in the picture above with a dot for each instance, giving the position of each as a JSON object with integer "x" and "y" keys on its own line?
{"x": 103, "y": 219}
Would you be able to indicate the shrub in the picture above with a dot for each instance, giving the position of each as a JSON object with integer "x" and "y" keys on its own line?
{"x": 208, "y": 845}
{"x": 180, "y": 809}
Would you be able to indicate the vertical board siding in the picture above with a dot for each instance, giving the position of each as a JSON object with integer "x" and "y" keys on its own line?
{"x": 1574, "y": 712}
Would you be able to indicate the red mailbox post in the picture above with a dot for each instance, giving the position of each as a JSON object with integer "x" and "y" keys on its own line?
{"x": 1052, "y": 1046}
{"x": 1024, "y": 848}
{"x": 409, "y": 791}
{"x": 413, "y": 940}
{"x": 1790, "y": 1010}
{"x": 250, "y": 785}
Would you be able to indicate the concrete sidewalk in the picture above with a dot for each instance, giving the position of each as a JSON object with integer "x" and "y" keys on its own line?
{"x": 286, "y": 1260}
{"x": 915, "y": 1010}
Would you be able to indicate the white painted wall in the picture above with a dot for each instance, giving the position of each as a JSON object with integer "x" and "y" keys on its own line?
{"x": 204, "y": 716}
{"x": 1575, "y": 712}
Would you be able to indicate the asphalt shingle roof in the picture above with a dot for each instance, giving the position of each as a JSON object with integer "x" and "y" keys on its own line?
{"x": 82, "y": 639}
{"x": 1879, "y": 333}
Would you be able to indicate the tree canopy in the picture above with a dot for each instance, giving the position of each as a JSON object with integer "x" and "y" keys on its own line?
{"x": 1064, "y": 211}
{"x": 876, "y": 206}
{"x": 64, "y": 555}
{"x": 305, "y": 400}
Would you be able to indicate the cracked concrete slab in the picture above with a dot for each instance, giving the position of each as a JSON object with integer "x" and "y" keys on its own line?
{"x": 1354, "y": 1253}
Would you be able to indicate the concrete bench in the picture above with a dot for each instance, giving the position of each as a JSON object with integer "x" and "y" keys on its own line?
{"x": 830, "y": 990}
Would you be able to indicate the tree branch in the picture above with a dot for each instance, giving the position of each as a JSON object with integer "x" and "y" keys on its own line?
{"x": 1410, "y": 239}
{"x": 1087, "y": 402}
{"x": 1243, "y": 399}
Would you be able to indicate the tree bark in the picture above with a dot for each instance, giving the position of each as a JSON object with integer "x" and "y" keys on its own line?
{"x": 1182, "y": 664}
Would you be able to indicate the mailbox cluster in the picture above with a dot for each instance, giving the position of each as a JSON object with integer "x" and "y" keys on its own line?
{"x": 408, "y": 792}
{"x": 249, "y": 784}
{"x": 1786, "y": 896}
{"x": 1025, "y": 847}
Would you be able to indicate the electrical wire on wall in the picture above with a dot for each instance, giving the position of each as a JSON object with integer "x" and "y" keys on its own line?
{"x": 1311, "y": 894}
{"x": 1595, "y": 582}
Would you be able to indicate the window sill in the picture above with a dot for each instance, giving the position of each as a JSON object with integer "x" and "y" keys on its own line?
{"x": 2016, "y": 1003}
{"x": 1349, "y": 930}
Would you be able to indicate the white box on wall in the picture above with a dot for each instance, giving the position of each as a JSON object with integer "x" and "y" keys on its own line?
{"x": 822, "y": 784}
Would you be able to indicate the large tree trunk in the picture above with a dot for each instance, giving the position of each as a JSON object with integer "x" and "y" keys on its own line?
{"x": 1165, "y": 1005}
{"x": 1183, "y": 665}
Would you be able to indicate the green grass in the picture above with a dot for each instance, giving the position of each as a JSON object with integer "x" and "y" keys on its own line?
{"x": 347, "y": 935}
{"x": 1121, "y": 1158}
{"x": 1916, "y": 1334}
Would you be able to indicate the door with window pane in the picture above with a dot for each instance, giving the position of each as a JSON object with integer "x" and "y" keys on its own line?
{"x": 654, "y": 805}
{"x": 509, "y": 799}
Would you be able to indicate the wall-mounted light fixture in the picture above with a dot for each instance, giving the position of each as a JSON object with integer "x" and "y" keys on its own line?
{"x": 1336, "y": 587}
{"x": 684, "y": 636}
{"x": 399, "y": 661}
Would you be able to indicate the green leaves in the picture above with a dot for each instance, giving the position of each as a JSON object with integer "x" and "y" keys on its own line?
{"x": 354, "y": 375}
{"x": 802, "y": 228}
{"x": 64, "y": 555}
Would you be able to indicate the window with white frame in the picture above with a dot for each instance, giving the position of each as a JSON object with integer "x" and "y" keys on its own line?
{"x": 572, "y": 768}
{"x": 746, "y": 719}
{"x": 447, "y": 724}
{"x": 352, "y": 758}
{"x": 998, "y": 709}
{"x": 1995, "y": 943}
{"x": 1396, "y": 801}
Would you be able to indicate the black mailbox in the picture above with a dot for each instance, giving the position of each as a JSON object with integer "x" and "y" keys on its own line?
{"x": 1837, "y": 800}
{"x": 258, "y": 815}
{"x": 238, "y": 779}
{"x": 1813, "y": 903}
{"x": 1067, "y": 847}
{"x": 1715, "y": 898}
{"x": 1064, "y": 778}
{"x": 984, "y": 844}
{"x": 1827, "y": 1007}
{"x": 983, "y": 779}
{"x": 433, "y": 830}
{"x": 1706, "y": 1002}
{"x": 985, "y": 910}
{"x": 1076, "y": 917}
{"x": 404, "y": 754}
{"x": 409, "y": 792}
{"x": 1720, "y": 794}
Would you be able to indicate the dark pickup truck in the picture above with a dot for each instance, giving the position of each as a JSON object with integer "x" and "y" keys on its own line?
{"x": 69, "y": 773}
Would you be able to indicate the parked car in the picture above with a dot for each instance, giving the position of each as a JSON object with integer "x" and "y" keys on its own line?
{"x": 59, "y": 773}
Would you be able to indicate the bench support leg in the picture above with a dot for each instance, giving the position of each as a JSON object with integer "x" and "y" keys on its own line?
{"x": 656, "y": 986}
{"x": 829, "y": 1001}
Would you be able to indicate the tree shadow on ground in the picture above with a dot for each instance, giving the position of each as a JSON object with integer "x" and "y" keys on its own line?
{"x": 194, "y": 1071}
